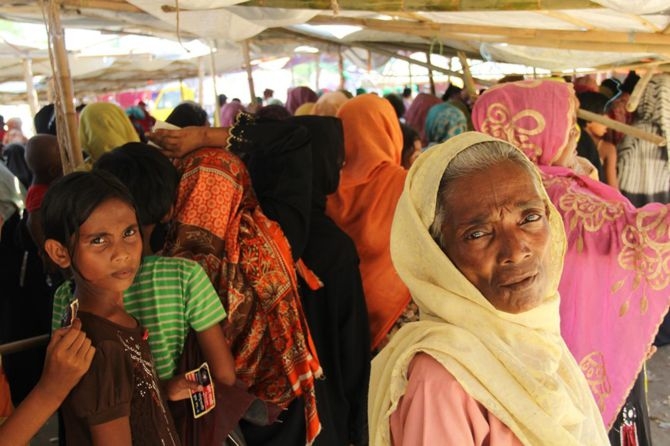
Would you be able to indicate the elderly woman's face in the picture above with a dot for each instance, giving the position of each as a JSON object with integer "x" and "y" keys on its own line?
{"x": 497, "y": 234}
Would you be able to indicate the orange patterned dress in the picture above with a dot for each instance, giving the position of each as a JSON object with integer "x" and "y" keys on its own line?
{"x": 219, "y": 223}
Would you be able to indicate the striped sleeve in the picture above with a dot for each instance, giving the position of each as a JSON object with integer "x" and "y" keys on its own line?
{"x": 203, "y": 306}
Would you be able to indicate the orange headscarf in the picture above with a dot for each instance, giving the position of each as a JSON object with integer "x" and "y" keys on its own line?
{"x": 363, "y": 206}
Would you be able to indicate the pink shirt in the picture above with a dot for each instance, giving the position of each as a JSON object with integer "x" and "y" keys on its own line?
{"x": 436, "y": 409}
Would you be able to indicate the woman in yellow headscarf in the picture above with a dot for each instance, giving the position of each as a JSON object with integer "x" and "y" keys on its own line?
{"x": 480, "y": 246}
{"x": 104, "y": 126}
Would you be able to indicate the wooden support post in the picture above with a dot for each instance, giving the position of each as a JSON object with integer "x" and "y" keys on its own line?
{"x": 201, "y": 80}
{"x": 217, "y": 106}
{"x": 247, "y": 63}
{"x": 430, "y": 74}
{"x": 30, "y": 86}
{"x": 340, "y": 67}
{"x": 66, "y": 117}
{"x": 317, "y": 71}
{"x": 451, "y": 63}
{"x": 467, "y": 76}
{"x": 621, "y": 127}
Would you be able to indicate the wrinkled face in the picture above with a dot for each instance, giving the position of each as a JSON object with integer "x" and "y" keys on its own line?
{"x": 497, "y": 234}
{"x": 109, "y": 249}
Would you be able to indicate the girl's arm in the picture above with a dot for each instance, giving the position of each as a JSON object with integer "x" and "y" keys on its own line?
{"x": 112, "y": 433}
{"x": 214, "y": 347}
{"x": 68, "y": 357}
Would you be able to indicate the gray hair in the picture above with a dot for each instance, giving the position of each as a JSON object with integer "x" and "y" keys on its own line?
{"x": 475, "y": 158}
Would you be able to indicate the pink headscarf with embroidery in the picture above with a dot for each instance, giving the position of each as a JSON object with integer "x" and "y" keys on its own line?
{"x": 614, "y": 288}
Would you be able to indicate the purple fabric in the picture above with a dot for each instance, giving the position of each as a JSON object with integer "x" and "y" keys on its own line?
{"x": 298, "y": 96}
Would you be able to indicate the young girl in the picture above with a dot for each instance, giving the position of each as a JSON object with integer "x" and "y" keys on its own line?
{"x": 91, "y": 229}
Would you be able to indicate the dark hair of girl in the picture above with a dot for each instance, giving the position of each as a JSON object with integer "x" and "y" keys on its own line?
{"x": 149, "y": 175}
{"x": 72, "y": 199}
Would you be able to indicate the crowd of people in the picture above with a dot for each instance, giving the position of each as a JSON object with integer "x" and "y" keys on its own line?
{"x": 354, "y": 270}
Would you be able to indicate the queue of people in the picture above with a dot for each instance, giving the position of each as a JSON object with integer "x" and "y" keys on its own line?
{"x": 353, "y": 270}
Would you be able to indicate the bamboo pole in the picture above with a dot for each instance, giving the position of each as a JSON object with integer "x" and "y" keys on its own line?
{"x": 439, "y": 69}
{"x": 66, "y": 117}
{"x": 24, "y": 344}
{"x": 423, "y": 5}
{"x": 435, "y": 28}
{"x": 467, "y": 76}
{"x": 317, "y": 70}
{"x": 430, "y": 74}
{"x": 217, "y": 106}
{"x": 201, "y": 80}
{"x": 247, "y": 63}
{"x": 340, "y": 66}
{"x": 621, "y": 127}
{"x": 30, "y": 86}
{"x": 451, "y": 64}
{"x": 409, "y": 69}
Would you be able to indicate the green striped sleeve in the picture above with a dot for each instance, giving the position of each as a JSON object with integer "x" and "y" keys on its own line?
{"x": 203, "y": 306}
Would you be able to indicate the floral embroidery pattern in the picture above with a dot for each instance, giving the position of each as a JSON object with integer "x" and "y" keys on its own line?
{"x": 593, "y": 367}
{"x": 591, "y": 212}
{"x": 518, "y": 129}
{"x": 646, "y": 249}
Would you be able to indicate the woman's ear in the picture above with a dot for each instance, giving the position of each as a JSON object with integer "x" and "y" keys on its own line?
{"x": 57, "y": 253}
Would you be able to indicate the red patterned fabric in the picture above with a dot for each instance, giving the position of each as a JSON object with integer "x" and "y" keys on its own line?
{"x": 35, "y": 196}
{"x": 219, "y": 224}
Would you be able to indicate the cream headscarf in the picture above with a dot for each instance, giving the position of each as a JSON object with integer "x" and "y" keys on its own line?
{"x": 516, "y": 365}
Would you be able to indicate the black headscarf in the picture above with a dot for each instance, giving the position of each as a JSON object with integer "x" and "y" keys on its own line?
{"x": 14, "y": 154}
{"x": 327, "y": 154}
{"x": 336, "y": 313}
{"x": 278, "y": 156}
{"x": 45, "y": 120}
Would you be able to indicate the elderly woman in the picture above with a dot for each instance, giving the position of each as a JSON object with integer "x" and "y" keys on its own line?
{"x": 614, "y": 285}
{"x": 480, "y": 247}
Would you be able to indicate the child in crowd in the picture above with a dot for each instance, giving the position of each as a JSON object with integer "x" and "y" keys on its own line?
{"x": 92, "y": 230}
{"x": 170, "y": 296}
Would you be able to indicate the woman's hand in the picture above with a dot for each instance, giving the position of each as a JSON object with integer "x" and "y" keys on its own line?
{"x": 68, "y": 357}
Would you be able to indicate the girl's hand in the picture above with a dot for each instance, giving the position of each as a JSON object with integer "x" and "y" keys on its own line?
{"x": 179, "y": 388}
{"x": 69, "y": 355}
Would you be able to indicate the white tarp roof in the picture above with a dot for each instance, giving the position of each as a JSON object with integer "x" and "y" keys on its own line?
{"x": 587, "y": 34}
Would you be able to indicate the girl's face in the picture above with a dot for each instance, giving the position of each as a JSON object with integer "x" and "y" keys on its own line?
{"x": 109, "y": 250}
